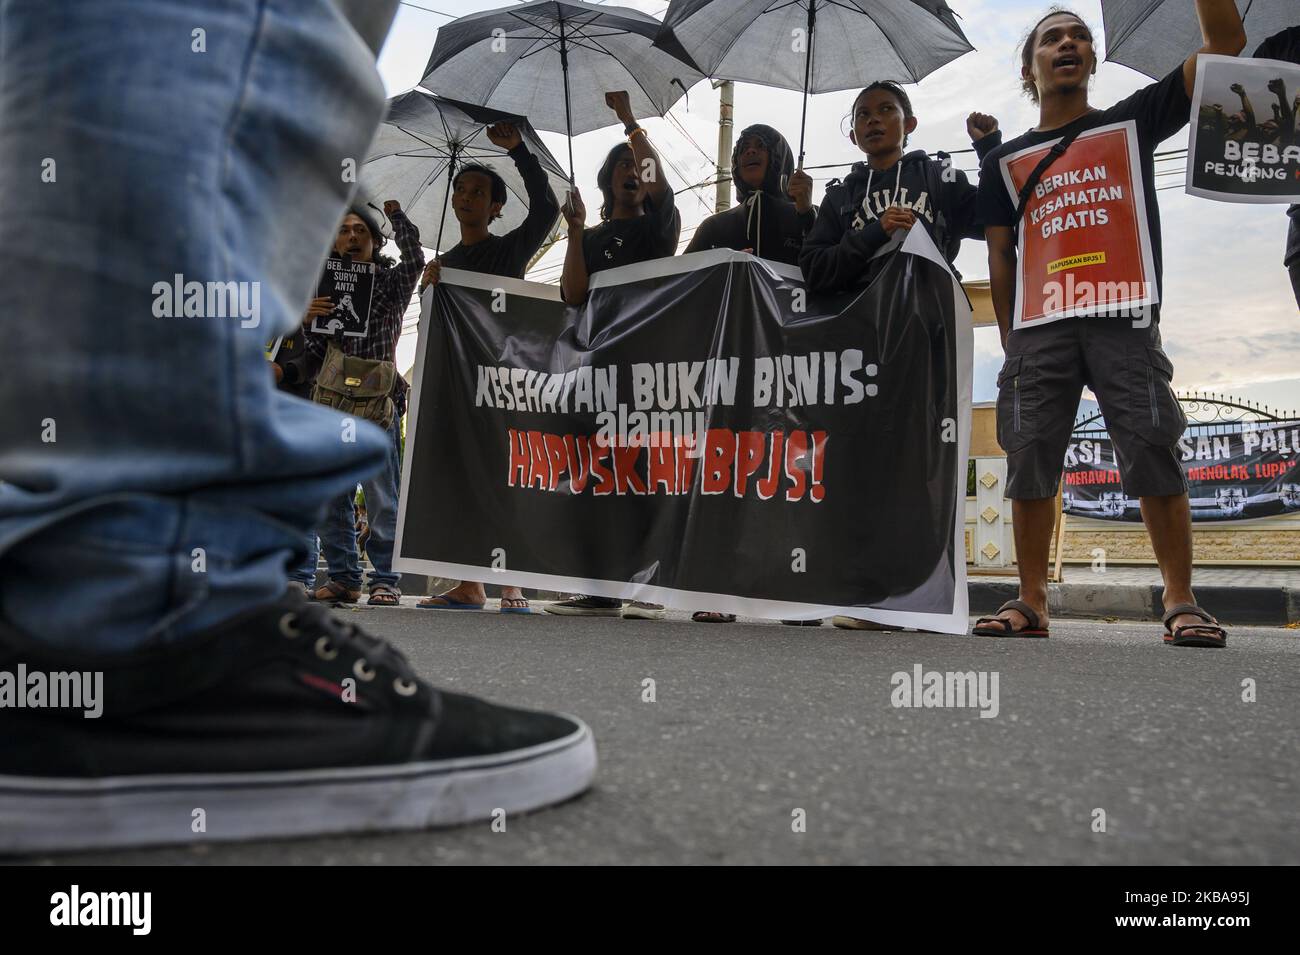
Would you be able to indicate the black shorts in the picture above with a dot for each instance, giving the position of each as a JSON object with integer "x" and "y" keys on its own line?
{"x": 1038, "y": 398}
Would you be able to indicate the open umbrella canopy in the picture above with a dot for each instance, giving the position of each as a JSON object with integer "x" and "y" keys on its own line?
{"x": 1154, "y": 36}
{"x": 511, "y": 59}
{"x": 414, "y": 150}
{"x": 855, "y": 41}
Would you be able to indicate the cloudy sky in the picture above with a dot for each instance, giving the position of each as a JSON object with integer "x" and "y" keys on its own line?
{"x": 1229, "y": 319}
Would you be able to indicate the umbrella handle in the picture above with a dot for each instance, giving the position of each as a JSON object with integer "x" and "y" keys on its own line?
{"x": 807, "y": 73}
{"x": 446, "y": 196}
{"x": 568, "y": 114}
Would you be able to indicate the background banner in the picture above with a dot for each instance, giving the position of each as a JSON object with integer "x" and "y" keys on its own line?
{"x": 1244, "y": 144}
{"x": 701, "y": 433}
{"x": 1246, "y": 471}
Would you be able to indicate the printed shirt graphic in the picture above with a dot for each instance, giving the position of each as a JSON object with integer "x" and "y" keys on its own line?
{"x": 1085, "y": 241}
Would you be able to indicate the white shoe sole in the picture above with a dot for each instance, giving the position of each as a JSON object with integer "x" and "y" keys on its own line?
{"x": 640, "y": 613}
{"x": 853, "y": 623}
{"x": 580, "y": 612}
{"x": 52, "y": 815}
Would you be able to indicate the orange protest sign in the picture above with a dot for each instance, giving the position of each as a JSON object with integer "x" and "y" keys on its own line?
{"x": 1084, "y": 245}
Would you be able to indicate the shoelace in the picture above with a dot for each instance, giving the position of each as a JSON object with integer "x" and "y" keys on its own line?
{"x": 303, "y": 618}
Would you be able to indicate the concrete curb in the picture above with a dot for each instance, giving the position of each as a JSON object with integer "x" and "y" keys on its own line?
{"x": 1263, "y": 606}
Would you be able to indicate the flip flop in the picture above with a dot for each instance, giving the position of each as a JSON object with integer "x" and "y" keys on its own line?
{"x": 996, "y": 626}
{"x": 1211, "y": 635}
{"x": 524, "y": 609}
{"x": 447, "y": 604}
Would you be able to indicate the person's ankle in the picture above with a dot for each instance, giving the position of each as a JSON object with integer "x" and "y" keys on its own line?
{"x": 1036, "y": 599}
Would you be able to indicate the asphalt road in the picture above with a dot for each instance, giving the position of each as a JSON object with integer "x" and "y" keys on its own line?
{"x": 753, "y": 721}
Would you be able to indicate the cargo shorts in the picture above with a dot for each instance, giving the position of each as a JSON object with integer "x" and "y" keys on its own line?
{"x": 1039, "y": 388}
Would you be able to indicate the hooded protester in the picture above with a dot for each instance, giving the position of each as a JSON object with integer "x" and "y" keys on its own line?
{"x": 766, "y": 222}
{"x": 880, "y": 199}
{"x": 774, "y": 214}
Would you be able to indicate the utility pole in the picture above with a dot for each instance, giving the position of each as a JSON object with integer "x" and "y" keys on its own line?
{"x": 727, "y": 97}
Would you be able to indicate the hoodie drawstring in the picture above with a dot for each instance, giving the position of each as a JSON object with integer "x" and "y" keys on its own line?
{"x": 753, "y": 202}
{"x": 898, "y": 186}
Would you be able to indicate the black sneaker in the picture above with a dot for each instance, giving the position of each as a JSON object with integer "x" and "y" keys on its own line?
{"x": 581, "y": 606}
{"x": 285, "y": 721}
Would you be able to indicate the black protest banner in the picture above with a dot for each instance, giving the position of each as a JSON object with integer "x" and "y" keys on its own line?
{"x": 702, "y": 433}
{"x": 1245, "y": 139}
{"x": 1234, "y": 472}
{"x": 350, "y": 286}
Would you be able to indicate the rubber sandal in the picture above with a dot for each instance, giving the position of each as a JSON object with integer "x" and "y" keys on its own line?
{"x": 712, "y": 616}
{"x": 334, "y": 592}
{"x": 996, "y": 626}
{"x": 384, "y": 596}
{"x": 431, "y": 603}
{"x": 524, "y": 609}
{"x": 1210, "y": 635}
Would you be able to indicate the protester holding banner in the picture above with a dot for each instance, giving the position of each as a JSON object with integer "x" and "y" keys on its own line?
{"x": 773, "y": 216}
{"x": 359, "y": 376}
{"x": 478, "y": 195}
{"x": 1073, "y": 228}
{"x": 639, "y": 222}
{"x": 775, "y": 210}
{"x": 885, "y": 196}
{"x": 1286, "y": 46}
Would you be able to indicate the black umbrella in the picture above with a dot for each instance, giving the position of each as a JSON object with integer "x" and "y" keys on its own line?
{"x": 818, "y": 46}
{"x": 1154, "y": 36}
{"x": 554, "y": 60}
{"x": 424, "y": 139}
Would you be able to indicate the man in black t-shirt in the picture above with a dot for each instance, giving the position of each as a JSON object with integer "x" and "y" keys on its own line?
{"x": 1075, "y": 274}
{"x": 638, "y": 218}
{"x": 1286, "y": 46}
{"x": 478, "y": 195}
{"x": 639, "y": 222}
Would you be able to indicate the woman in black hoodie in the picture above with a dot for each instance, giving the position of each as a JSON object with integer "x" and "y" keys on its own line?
{"x": 775, "y": 210}
{"x": 889, "y": 193}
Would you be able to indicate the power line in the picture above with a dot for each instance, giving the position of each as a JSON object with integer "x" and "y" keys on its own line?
{"x": 685, "y": 132}
{"x": 408, "y": 3}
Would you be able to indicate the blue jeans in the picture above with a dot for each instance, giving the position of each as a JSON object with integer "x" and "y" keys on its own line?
{"x": 305, "y": 573}
{"x": 153, "y": 482}
{"x": 338, "y": 534}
